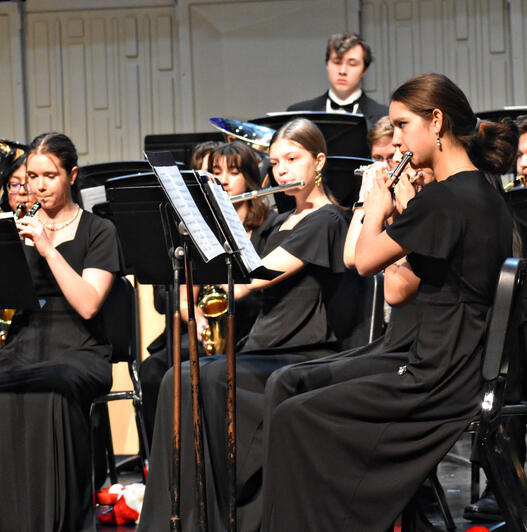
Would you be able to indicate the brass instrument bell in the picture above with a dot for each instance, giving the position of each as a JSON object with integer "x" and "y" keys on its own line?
{"x": 213, "y": 302}
{"x": 258, "y": 137}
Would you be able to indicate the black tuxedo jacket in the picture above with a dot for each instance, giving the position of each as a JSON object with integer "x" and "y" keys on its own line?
{"x": 371, "y": 110}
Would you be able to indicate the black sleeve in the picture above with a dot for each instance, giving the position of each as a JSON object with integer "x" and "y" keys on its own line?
{"x": 103, "y": 247}
{"x": 428, "y": 226}
{"x": 319, "y": 239}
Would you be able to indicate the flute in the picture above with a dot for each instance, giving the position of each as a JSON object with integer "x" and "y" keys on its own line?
{"x": 396, "y": 174}
{"x": 265, "y": 191}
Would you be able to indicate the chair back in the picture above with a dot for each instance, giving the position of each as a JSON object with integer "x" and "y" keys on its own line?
{"x": 118, "y": 313}
{"x": 505, "y": 335}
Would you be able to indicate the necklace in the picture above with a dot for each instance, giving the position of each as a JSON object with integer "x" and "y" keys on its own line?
{"x": 53, "y": 227}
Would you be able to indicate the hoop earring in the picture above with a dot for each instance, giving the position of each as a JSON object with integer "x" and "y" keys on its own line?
{"x": 318, "y": 178}
{"x": 438, "y": 142}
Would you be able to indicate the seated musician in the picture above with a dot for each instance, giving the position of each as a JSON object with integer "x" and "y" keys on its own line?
{"x": 15, "y": 194}
{"x": 236, "y": 166}
{"x": 348, "y": 57}
{"x": 350, "y": 455}
{"x": 56, "y": 358}
{"x": 292, "y": 326}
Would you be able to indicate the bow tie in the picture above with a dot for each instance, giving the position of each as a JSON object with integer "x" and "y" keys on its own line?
{"x": 349, "y": 107}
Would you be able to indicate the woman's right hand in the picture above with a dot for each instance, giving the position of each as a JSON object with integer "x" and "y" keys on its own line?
{"x": 32, "y": 229}
{"x": 379, "y": 202}
{"x": 378, "y": 169}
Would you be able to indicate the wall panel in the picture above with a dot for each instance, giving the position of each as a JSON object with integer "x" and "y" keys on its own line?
{"x": 98, "y": 76}
{"x": 12, "y": 116}
{"x": 468, "y": 40}
{"x": 243, "y": 58}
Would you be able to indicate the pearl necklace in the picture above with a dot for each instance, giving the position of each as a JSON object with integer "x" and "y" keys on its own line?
{"x": 53, "y": 227}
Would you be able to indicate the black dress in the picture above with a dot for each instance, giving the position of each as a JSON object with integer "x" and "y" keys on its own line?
{"x": 291, "y": 327}
{"x": 53, "y": 365}
{"x": 349, "y": 455}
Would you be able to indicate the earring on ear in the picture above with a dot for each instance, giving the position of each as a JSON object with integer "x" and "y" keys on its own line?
{"x": 318, "y": 178}
{"x": 438, "y": 142}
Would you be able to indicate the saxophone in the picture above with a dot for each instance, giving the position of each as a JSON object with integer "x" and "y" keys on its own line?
{"x": 213, "y": 303}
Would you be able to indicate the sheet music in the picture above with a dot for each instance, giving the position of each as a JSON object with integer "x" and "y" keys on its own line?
{"x": 92, "y": 196}
{"x": 181, "y": 199}
{"x": 249, "y": 256}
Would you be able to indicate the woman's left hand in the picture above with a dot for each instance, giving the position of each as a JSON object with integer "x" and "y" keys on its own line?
{"x": 32, "y": 228}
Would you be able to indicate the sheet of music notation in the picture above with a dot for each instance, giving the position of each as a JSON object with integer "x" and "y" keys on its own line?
{"x": 186, "y": 208}
{"x": 248, "y": 253}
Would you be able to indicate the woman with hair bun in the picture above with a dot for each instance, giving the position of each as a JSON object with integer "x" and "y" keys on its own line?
{"x": 350, "y": 454}
{"x": 293, "y": 325}
{"x": 55, "y": 361}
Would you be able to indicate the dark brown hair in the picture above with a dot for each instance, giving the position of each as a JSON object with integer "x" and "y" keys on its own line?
{"x": 239, "y": 156}
{"x": 490, "y": 146}
{"x": 521, "y": 122}
{"x": 56, "y": 144}
{"x": 340, "y": 43}
{"x": 201, "y": 151}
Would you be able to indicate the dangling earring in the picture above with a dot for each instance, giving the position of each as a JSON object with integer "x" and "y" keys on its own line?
{"x": 318, "y": 178}
{"x": 438, "y": 142}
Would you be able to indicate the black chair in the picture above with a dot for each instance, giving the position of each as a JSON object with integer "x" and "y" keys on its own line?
{"x": 491, "y": 450}
{"x": 505, "y": 341}
{"x": 120, "y": 320}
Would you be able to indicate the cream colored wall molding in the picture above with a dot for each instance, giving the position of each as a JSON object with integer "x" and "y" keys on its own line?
{"x": 12, "y": 108}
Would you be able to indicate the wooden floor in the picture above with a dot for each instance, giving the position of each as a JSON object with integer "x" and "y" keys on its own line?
{"x": 453, "y": 474}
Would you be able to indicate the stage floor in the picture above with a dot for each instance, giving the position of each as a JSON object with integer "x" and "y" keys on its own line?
{"x": 453, "y": 473}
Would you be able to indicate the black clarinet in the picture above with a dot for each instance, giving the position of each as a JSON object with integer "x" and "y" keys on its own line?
{"x": 34, "y": 209}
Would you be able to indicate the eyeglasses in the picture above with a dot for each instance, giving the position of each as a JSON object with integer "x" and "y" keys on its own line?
{"x": 381, "y": 159}
{"x": 14, "y": 188}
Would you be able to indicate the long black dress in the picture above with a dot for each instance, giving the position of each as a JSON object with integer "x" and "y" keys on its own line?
{"x": 51, "y": 368}
{"x": 291, "y": 327}
{"x": 350, "y": 455}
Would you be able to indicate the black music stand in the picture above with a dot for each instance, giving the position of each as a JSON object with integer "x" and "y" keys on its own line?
{"x": 345, "y": 133}
{"x": 180, "y": 145}
{"x": 16, "y": 285}
{"x": 341, "y": 180}
{"x": 495, "y": 115}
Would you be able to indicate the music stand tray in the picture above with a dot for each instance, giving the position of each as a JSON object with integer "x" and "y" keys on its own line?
{"x": 345, "y": 133}
{"x": 16, "y": 285}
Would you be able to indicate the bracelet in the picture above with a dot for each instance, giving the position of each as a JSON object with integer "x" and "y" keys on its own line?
{"x": 358, "y": 205}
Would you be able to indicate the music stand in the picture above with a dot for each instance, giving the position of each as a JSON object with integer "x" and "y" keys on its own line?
{"x": 345, "y": 133}
{"x": 495, "y": 115}
{"x": 16, "y": 285}
{"x": 341, "y": 180}
{"x": 180, "y": 145}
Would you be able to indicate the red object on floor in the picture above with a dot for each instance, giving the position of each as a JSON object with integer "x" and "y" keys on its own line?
{"x": 477, "y": 529}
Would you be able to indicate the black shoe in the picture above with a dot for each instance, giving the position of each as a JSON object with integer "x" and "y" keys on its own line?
{"x": 486, "y": 509}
